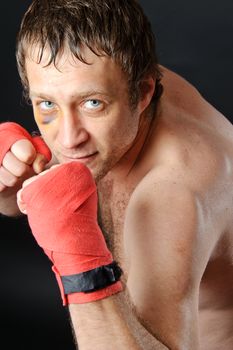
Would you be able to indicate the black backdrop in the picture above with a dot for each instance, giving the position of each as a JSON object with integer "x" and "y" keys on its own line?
{"x": 195, "y": 40}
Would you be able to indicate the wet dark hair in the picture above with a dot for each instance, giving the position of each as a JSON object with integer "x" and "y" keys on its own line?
{"x": 116, "y": 28}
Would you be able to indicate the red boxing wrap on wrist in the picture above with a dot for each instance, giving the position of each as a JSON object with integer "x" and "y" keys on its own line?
{"x": 62, "y": 212}
{"x": 13, "y": 132}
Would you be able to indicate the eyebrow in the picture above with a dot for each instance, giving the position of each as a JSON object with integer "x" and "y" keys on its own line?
{"x": 81, "y": 95}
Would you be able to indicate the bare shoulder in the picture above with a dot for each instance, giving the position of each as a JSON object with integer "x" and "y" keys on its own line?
{"x": 164, "y": 213}
{"x": 194, "y": 138}
{"x": 185, "y": 204}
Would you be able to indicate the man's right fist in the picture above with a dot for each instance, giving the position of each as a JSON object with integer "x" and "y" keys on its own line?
{"x": 20, "y": 155}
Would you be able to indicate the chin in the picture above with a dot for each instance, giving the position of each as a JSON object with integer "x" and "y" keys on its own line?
{"x": 98, "y": 167}
{"x": 99, "y": 172}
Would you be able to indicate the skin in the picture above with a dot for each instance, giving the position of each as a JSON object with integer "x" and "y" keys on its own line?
{"x": 164, "y": 194}
{"x": 22, "y": 161}
{"x": 72, "y": 126}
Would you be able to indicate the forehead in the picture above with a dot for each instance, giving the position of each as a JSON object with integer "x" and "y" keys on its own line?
{"x": 70, "y": 73}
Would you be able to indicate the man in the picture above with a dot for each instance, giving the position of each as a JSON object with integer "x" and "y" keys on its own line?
{"x": 161, "y": 158}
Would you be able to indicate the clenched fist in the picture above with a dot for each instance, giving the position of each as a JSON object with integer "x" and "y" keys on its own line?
{"x": 19, "y": 154}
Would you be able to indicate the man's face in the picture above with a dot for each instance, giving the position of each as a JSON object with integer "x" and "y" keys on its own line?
{"x": 82, "y": 110}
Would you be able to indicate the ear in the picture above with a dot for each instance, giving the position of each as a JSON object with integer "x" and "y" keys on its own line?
{"x": 147, "y": 89}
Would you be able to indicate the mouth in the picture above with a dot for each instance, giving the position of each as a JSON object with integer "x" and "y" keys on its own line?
{"x": 83, "y": 159}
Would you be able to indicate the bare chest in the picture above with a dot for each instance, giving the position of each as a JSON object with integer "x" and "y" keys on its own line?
{"x": 112, "y": 210}
{"x": 111, "y": 218}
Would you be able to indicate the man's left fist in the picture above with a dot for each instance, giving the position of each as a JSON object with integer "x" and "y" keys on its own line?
{"x": 61, "y": 205}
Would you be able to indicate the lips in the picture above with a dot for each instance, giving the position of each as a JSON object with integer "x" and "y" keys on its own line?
{"x": 66, "y": 158}
{"x": 87, "y": 156}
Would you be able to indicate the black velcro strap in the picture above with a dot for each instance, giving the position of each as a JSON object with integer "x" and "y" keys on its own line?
{"x": 92, "y": 280}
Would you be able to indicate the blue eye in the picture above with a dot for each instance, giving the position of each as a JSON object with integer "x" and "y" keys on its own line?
{"x": 93, "y": 104}
{"x": 47, "y": 105}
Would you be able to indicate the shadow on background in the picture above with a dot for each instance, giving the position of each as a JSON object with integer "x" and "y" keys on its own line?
{"x": 195, "y": 40}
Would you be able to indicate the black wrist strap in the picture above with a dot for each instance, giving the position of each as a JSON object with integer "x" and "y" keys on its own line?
{"x": 92, "y": 280}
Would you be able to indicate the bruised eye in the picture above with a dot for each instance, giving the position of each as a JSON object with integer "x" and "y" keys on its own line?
{"x": 46, "y": 112}
{"x": 93, "y": 104}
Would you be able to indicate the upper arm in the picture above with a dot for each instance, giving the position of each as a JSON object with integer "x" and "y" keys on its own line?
{"x": 161, "y": 235}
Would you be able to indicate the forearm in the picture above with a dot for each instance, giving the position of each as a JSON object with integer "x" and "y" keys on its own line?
{"x": 98, "y": 324}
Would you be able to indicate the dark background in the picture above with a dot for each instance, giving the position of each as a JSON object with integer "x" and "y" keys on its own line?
{"x": 195, "y": 40}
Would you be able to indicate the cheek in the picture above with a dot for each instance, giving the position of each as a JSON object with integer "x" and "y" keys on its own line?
{"x": 126, "y": 131}
{"x": 122, "y": 134}
{"x": 39, "y": 120}
{"x": 36, "y": 116}
{"x": 47, "y": 130}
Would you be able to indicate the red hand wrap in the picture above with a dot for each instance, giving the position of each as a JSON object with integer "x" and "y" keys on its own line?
{"x": 62, "y": 212}
{"x": 13, "y": 132}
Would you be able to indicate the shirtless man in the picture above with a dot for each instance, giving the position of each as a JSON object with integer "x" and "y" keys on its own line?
{"x": 162, "y": 160}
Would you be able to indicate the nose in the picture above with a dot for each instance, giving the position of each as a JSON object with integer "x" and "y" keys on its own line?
{"x": 71, "y": 132}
